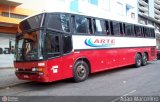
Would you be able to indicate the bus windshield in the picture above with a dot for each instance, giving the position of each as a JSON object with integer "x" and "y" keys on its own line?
{"x": 30, "y": 23}
{"x": 27, "y": 47}
{"x": 28, "y": 42}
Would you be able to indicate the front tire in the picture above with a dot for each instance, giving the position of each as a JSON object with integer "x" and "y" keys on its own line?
{"x": 80, "y": 71}
{"x": 138, "y": 60}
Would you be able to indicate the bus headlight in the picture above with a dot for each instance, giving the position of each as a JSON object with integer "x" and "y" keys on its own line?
{"x": 16, "y": 69}
{"x": 34, "y": 69}
{"x": 37, "y": 69}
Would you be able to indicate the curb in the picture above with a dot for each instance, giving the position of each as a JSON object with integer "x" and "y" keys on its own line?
{"x": 6, "y": 68}
{"x": 13, "y": 85}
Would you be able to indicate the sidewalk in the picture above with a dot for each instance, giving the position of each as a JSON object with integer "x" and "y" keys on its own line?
{"x": 8, "y": 78}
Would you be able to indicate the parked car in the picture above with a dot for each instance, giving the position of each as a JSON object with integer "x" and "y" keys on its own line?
{"x": 158, "y": 54}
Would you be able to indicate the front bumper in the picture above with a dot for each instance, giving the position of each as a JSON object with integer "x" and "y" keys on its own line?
{"x": 31, "y": 76}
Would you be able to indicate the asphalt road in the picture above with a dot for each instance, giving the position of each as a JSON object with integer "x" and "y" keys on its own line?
{"x": 126, "y": 81}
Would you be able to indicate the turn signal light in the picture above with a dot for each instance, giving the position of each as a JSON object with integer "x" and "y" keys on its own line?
{"x": 40, "y": 69}
{"x": 37, "y": 69}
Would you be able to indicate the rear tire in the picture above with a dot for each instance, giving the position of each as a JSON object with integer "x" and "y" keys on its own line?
{"x": 144, "y": 59}
{"x": 138, "y": 60}
{"x": 80, "y": 71}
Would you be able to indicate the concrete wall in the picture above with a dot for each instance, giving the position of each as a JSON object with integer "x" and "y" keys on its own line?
{"x": 151, "y": 8}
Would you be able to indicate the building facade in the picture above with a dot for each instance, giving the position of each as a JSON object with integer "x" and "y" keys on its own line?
{"x": 115, "y": 9}
{"x": 10, "y": 16}
{"x": 149, "y": 14}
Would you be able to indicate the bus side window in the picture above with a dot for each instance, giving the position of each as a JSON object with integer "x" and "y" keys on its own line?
{"x": 152, "y": 33}
{"x": 124, "y": 29}
{"x": 58, "y": 22}
{"x": 115, "y": 28}
{"x": 73, "y": 25}
{"x": 111, "y": 27}
{"x": 52, "y": 45}
{"x": 146, "y": 32}
{"x": 65, "y": 22}
{"x": 121, "y": 29}
{"x": 67, "y": 44}
{"x": 107, "y": 27}
{"x": 83, "y": 25}
{"x": 90, "y": 31}
{"x": 133, "y": 31}
{"x": 128, "y": 30}
{"x": 99, "y": 26}
{"x": 142, "y": 32}
{"x": 53, "y": 21}
{"x": 138, "y": 32}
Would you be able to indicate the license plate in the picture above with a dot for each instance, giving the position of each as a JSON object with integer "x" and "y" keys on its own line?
{"x": 26, "y": 76}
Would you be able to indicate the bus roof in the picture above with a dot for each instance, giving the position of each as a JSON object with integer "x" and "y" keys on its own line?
{"x": 108, "y": 17}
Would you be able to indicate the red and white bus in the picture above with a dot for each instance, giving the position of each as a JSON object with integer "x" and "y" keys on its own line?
{"x": 55, "y": 46}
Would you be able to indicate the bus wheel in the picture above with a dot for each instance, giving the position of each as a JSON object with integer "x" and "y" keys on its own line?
{"x": 144, "y": 59}
{"x": 138, "y": 60}
{"x": 80, "y": 71}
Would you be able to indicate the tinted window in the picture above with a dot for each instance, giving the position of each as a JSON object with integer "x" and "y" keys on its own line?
{"x": 82, "y": 24}
{"x": 67, "y": 44}
{"x": 138, "y": 32}
{"x": 58, "y": 22}
{"x": 152, "y": 33}
{"x": 128, "y": 30}
{"x": 31, "y": 23}
{"x": 52, "y": 45}
{"x": 115, "y": 28}
{"x": 107, "y": 28}
{"x": 133, "y": 31}
{"x": 121, "y": 29}
{"x": 90, "y": 26}
{"x": 99, "y": 26}
{"x": 146, "y": 32}
{"x": 65, "y": 22}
